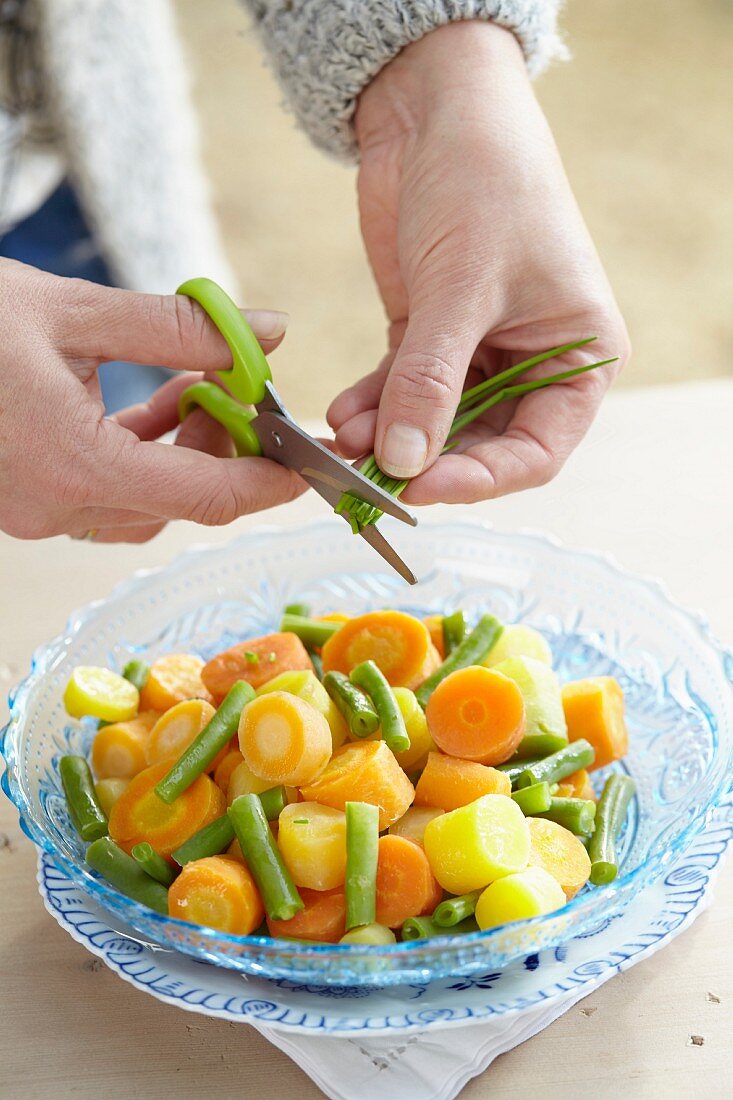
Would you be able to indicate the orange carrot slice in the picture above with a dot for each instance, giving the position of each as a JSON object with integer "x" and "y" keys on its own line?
{"x": 173, "y": 679}
{"x": 177, "y": 728}
{"x": 138, "y": 814}
{"x": 434, "y": 623}
{"x": 406, "y": 887}
{"x": 448, "y": 782}
{"x": 118, "y": 750}
{"x": 594, "y": 709}
{"x": 283, "y": 739}
{"x": 223, "y": 771}
{"x": 398, "y": 643}
{"x": 323, "y": 919}
{"x": 217, "y": 892}
{"x": 577, "y": 785}
{"x": 560, "y": 853}
{"x": 256, "y": 661}
{"x": 363, "y": 772}
{"x": 477, "y": 713}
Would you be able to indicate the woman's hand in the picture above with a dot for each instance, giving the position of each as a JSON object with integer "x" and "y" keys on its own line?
{"x": 64, "y": 466}
{"x": 482, "y": 259}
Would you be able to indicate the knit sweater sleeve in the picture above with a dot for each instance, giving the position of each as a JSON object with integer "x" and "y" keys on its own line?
{"x": 325, "y": 52}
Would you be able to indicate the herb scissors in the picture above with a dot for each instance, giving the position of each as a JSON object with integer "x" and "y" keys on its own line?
{"x": 269, "y": 430}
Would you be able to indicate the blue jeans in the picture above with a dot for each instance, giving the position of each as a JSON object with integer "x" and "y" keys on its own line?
{"x": 57, "y": 239}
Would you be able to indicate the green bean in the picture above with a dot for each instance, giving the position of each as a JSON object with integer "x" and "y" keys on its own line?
{"x": 536, "y": 746}
{"x": 277, "y": 889}
{"x": 422, "y": 928}
{"x": 194, "y": 760}
{"x": 394, "y": 731}
{"x": 514, "y": 769}
{"x": 302, "y": 610}
{"x": 454, "y": 631}
{"x": 356, "y": 707}
{"x": 533, "y": 800}
{"x": 610, "y": 817}
{"x": 153, "y": 864}
{"x": 577, "y": 815}
{"x": 126, "y": 875}
{"x": 274, "y": 800}
{"x": 471, "y": 651}
{"x": 310, "y": 631}
{"x": 316, "y": 662}
{"x": 578, "y": 754}
{"x": 209, "y": 841}
{"x": 452, "y": 911}
{"x": 87, "y": 815}
{"x": 137, "y": 672}
{"x": 362, "y": 841}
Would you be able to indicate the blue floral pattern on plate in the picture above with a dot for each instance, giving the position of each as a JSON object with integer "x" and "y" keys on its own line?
{"x": 598, "y": 620}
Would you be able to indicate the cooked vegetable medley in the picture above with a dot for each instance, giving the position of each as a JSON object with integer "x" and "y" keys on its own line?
{"x": 351, "y": 779}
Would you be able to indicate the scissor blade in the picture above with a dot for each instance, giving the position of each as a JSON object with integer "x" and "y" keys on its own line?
{"x": 283, "y": 441}
{"x": 379, "y": 543}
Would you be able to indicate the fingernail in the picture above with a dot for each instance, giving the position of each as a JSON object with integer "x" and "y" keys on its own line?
{"x": 404, "y": 450}
{"x": 267, "y": 324}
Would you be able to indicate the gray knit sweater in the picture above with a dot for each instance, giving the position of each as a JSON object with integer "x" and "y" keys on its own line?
{"x": 325, "y": 52}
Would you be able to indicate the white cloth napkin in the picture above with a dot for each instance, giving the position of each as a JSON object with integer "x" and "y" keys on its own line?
{"x": 432, "y": 1065}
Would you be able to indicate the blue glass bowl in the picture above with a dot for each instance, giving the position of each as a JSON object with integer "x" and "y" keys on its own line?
{"x": 598, "y": 620}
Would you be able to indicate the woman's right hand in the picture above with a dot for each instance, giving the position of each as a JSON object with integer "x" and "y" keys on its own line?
{"x": 64, "y": 466}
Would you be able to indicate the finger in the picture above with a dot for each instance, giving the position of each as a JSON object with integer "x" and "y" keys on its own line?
{"x": 168, "y": 330}
{"x": 159, "y": 414}
{"x": 140, "y": 534}
{"x": 360, "y": 397}
{"x": 424, "y": 384}
{"x": 356, "y": 437}
{"x": 200, "y": 432}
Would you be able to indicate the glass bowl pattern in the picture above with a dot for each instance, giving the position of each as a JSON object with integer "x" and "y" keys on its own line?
{"x": 598, "y": 620}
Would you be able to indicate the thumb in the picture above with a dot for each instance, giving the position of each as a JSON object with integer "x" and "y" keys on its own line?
{"x": 424, "y": 385}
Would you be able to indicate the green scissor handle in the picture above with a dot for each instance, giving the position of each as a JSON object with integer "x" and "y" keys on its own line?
{"x": 246, "y": 378}
{"x": 217, "y": 403}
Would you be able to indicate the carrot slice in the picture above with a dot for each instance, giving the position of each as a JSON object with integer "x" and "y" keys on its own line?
{"x": 173, "y": 679}
{"x": 448, "y": 782}
{"x": 406, "y": 887}
{"x": 256, "y": 661}
{"x": 594, "y": 709}
{"x": 219, "y": 893}
{"x": 560, "y": 853}
{"x": 477, "y": 713}
{"x": 434, "y": 623}
{"x": 363, "y": 772}
{"x": 224, "y": 769}
{"x": 323, "y": 919}
{"x": 176, "y": 729}
{"x": 577, "y": 785}
{"x": 283, "y": 739}
{"x": 398, "y": 643}
{"x": 138, "y": 814}
{"x": 118, "y": 750}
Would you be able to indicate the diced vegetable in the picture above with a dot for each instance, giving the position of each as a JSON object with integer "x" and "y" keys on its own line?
{"x": 454, "y": 631}
{"x": 560, "y": 853}
{"x": 121, "y": 870}
{"x": 219, "y": 893}
{"x": 303, "y": 683}
{"x": 85, "y": 811}
{"x": 370, "y": 935}
{"x": 364, "y": 772}
{"x": 529, "y": 893}
{"x": 412, "y": 824}
{"x": 176, "y": 729}
{"x": 406, "y": 886}
{"x": 312, "y": 839}
{"x": 545, "y": 729}
{"x": 277, "y": 889}
{"x": 139, "y": 814}
{"x": 477, "y": 713}
{"x": 434, "y": 623}
{"x": 109, "y": 790}
{"x": 362, "y": 838}
{"x": 416, "y": 724}
{"x": 322, "y": 918}
{"x": 313, "y": 632}
{"x": 594, "y": 711}
{"x": 354, "y": 705}
{"x": 518, "y": 640}
{"x": 574, "y": 814}
{"x": 398, "y": 644}
{"x": 100, "y": 693}
{"x": 448, "y": 782}
{"x": 392, "y": 725}
{"x": 577, "y": 785}
{"x": 618, "y": 791}
{"x": 225, "y": 769}
{"x": 171, "y": 680}
{"x": 255, "y": 661}
{"x": 153, "y": 864}
{"x": 533, "y": 800}
{"x": 472, "y": 846}
{"x": 284, "y": 739}
{"x": 137, "y": 672}
{"x": 302, "y": 609}
{"x": 452, "y": 911}
{"x": 471, "y": 651}
{"x": 244, "y": 781}
{"x": 118, "y": 749}
{"x": 579, "y": 754}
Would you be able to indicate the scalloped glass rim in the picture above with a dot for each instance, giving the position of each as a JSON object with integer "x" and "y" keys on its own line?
{"x": 419, "y": 957}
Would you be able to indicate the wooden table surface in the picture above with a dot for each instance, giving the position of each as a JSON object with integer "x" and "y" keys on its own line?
{"x": 651, "y": 484}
